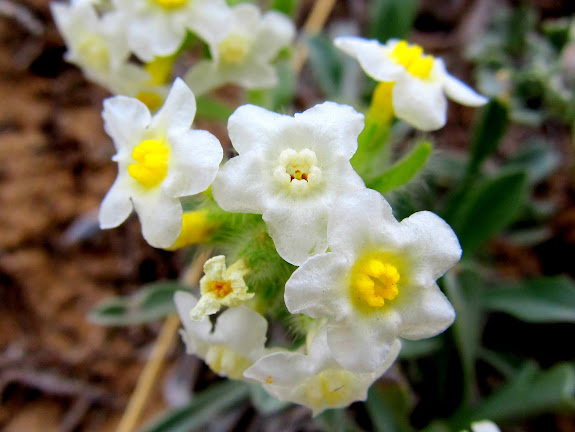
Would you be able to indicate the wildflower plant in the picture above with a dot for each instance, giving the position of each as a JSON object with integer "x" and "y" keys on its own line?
{"x": 323, "y": 262}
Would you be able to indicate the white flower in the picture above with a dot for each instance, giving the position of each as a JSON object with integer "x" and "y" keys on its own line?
{"x": 159, "y": 160}
{"x": 421, "y": 81}
{"x": 315, "y": 380}
{"x": 242, "y": 52}
{"x": 157, "y": 28}
{"x": 221, "y": 287}
{"x": 378, "y": 281}
{"x": 484, "y": 426}
{"x": 97, "y": 45}
{"x": 291, "y": 170}
{"x": 236, "y": 342}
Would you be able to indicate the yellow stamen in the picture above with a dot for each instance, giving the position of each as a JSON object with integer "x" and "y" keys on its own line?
{"x": 411, "y": 57}
{"x": 234, "y": 49}
{"x": 374, "y": 281}
{"x": 220, "y": 288}
{"x": 171, "y": 4}
{"x": 151, "y": 165}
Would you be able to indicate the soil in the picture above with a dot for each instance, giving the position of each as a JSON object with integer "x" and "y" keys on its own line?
{"x": 57, "y": 370}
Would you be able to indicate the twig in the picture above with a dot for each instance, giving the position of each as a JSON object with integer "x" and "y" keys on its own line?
{"x": 313, "y": 25}
{"x": 149, "y": 376}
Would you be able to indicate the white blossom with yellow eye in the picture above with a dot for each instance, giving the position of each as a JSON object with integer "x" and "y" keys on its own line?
{"x": 242, "y": 52}
{"x": 378, "y": 282}
{"x": 421, "y": 81}
{"x": 291, "y": 170}
{"x": 315, "y": 380}
{"x": 160, "y": 159}
{"x": 221, "y": 286}
{"x": 236, "y": 342}
{"x": 157, "y": 28}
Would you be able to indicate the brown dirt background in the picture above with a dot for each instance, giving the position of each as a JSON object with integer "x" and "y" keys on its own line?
{"x": 57, "y": 371}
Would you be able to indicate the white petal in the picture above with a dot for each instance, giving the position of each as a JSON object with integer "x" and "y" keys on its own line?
{"x": 361, "y": 345}
{"x": 372, "y": 57}
{"x": 252, "y": 74}
{"x": 318, "y": 289}
{"x": 194, "y": 332}
{"x": 195, "y": 158}
{"x": 241, "y": 329}
{"x": 207, "y": 18}
{"x": 462, "y": 93}
{"x": 203, "y": 77}
{"x": 282, "y": 369}
{"x": 250, "y": 127}
{"x": 426, "y": 312}
{"x": 340, "y": 125}
{"x": 238, "y": 186}
{"x": 432, "y": 246}
{"x": 359, "y": 221}
{"x": 125, "y": 120}
{"x": 420, "y": 103}
{"x": 484, "y": 426}
{"x": 154, "y": 35}
{"x": 116, "y": 206}
{"x": 160, "y": 217}
{"x": 276, "y": 31}
{"x": 298, "y": 233}
{"x": 178, "y": 111}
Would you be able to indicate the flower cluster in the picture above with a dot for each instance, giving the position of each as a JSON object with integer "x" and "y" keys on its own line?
{"x": 364, "y": 279}
{"x": 103, "y": 39}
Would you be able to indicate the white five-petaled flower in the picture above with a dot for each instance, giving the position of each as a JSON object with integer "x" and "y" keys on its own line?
{"x": 291, "y": 170}
{"x": 157, "y": 28}
{"x": 160, "y": 159}
{"x": 221, "y": 287}
{"x": 242, "y": 53}
{"x": 421, "y": 81}
{"x": 97, "y": 45}
{"x": 378, "y": 282}
{"x": 235, "y": 343}
{"x": 315, "y": 380}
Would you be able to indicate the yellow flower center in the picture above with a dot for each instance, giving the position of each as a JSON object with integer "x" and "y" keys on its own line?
{"x": 330, "y": 388}
{"x": 298, "y": 171}
{"x": 373, "y": 281}
{"x": 151, "y": 165}
{"x": 220, "y": 288}
{"x": 234, "y": 49}
{"x": 224, "y": 361}
{"x": 171, "y": 4}
{"x": 94, "y": 52}
{"x": 411, "y": 57}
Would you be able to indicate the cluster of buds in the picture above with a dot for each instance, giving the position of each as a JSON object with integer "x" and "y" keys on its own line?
{"x": 363, "y": 280}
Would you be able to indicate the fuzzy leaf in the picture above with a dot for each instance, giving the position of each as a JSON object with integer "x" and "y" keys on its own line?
{"x": 538, "y": 158}
{"x": 532, "y": 392}
{"x": 544, "y": 300}
{"x": 464, "y": 292}
{"x": 489, "y": 208}
{"x": 204, "y": 408}
{"x": 327, "y": 65}
{"x": 391, "y": 18}
{"x": 152, "y": 302}
{"x": 488, "y": 133}
{"x": 389, "y": 406}
{"x": 403, "y": 170}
